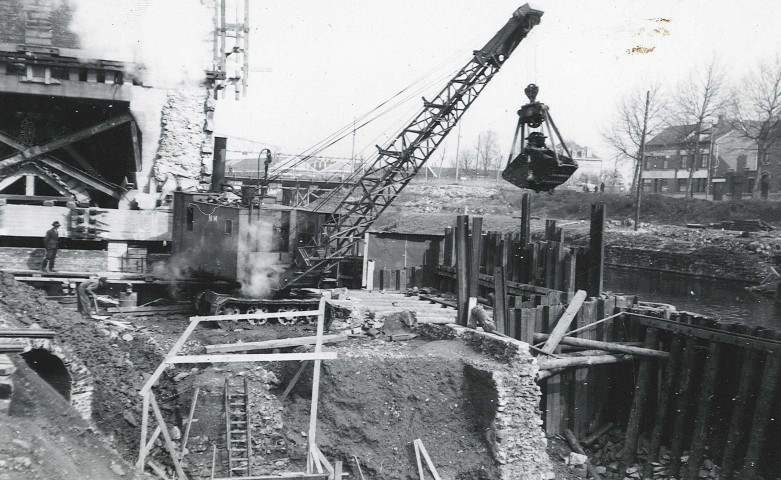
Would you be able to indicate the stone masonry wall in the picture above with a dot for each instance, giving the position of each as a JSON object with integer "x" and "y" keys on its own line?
{"x": 181, "y": 156}
{"x": 515, "y": 430}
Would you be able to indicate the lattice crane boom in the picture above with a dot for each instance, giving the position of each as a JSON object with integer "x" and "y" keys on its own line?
{"x": 403, "y": 157}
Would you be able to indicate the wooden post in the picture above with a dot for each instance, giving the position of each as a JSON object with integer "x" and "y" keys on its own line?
{"x": 596, "y": 250}
{"x": 639, "y": 402}
{"x": 316, "y": 378}
{"x": 500, "y": 301}
{"x": 526, "y": 215}
{"x": 168, "y": 442}
{"x": 665, "y": 399}
{"x": 475, "y": 254}
{"x": 370, "y": 275}
{"x": 447, "y": 259}
{"x": 683, "y": 392}
{"x": 564, "y": 322}
{"x": 707, "y": 389}
{"x": 365, "y": 259}
{"x": 144, "y": 427}
{"x": 762, "y": 409}
{"x": 462, "y": 268}
{"x": 737, "y": 423}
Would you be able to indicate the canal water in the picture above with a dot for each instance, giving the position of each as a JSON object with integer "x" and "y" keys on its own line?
{"x": 723, "y": 300}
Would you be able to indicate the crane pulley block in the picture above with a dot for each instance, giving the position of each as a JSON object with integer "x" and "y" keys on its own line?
{"x": 535, "y": 165}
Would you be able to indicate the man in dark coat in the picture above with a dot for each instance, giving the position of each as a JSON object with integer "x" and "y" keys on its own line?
{"x": 50, "y": 243}
{"x": 86, "y": 295}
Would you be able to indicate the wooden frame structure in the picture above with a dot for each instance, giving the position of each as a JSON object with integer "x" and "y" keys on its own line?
{"x": 315, "y": 458}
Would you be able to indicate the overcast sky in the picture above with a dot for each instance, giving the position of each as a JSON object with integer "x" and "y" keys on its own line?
{"x": 333, "y": 61}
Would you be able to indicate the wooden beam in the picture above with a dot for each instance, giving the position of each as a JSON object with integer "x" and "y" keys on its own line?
{"x": 553, "y": 363}
{"x": 762, "y": 411}
{"x": 190, "y": 420}
{"x": 293, "y": 381}
{"x": 560, "y": 330}
{"x": 639, "y": 401}
{"x": 168, "y": 442}
{"x": 271, "y": 344}
{"x": 430, "y": 464}
{"x": 252, "y": 357}
{"x": 462, "y": 268}
{"x": 164, "y": 364}
{"x": 316, "y": 378}
{"x": 256, "y": 316}
{"x": 607, "y": 346}
{"x": 596, "y": 250}
{"x": 476, "y": 241}
{"x": 34, "y": 198}
{"x": 63, "y": 141}
{"x": 282, "y": 476}
{"x": 144, "y": 426}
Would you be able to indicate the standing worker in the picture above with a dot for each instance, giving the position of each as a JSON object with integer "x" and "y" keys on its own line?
{"x": 87, "y": 297}
{"x": 50, "y": 243}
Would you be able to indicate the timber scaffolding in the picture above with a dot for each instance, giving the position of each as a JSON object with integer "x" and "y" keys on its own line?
{"x": 675, "y": 378}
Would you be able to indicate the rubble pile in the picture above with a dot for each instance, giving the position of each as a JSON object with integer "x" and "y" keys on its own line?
{"x": 605, "y": 455}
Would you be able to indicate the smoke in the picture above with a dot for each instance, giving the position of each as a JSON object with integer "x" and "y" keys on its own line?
{"x": 170, "y": 39}
{"x": 259, "y": 268}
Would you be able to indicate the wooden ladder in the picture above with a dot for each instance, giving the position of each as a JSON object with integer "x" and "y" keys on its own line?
{"x": 238, "y": 429}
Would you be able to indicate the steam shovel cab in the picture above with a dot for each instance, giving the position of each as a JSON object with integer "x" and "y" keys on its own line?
{"x": 224, "y": 237}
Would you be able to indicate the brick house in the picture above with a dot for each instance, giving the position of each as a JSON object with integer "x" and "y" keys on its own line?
{"x": 738, "y": 169}
{"x": 669, "y": 156}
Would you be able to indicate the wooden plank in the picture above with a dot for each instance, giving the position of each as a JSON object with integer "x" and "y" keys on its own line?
{"x": 526, "y": 215}
{"x": 144, "y": 427}
{"x": 190, "y": 420}
{"x": 639, "y": 402}
{"x": 281, "y": 476}
{"x": 596, "y": 250}
{"x": 448, "y": 257}
{"x": 762, "y": 410}
{"x": 271, "y": 344}
{"x": 705, "y": 400}
{"x": 293, "y": 381}
{"x": 500, "y": 301}
{"x": 421, "y": 475}
{"x": 608, "y": 346}
{"x": 255, "y": 316}
{"x": 730, "y": 338}
{"x": 564, "y": 322}
{"x": 316, "y": 378}
{"x": 683, "y": 394}
{"x": 164, "y": 364}
{"x": 168, "y": 442}
{"x": 571, "y": 362}
{"x": 252, "y": 357}
{"x": 527, "y": 324}
{"x": 476, "y": 239}
{"x": 737, "y": 422}
{"x": 426, "y": 457}
{"x": 462, "y": 268}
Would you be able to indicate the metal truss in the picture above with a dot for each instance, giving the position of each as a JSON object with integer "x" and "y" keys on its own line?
{"x": 402, "y": 158}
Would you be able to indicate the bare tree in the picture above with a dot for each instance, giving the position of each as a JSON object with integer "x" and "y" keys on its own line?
{"x": 633, "y": 123}
{"x": 700, "y": 97}
{"x": 467, "y": 160}
{"x": 756, "y": 109}
{"x": 488, "y": 151}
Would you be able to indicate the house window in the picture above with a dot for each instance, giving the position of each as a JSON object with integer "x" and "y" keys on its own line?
{"x": 765, "y": 159}
{"x": 190, "y": 219}
{"x": 683, "y": 161}
{"x": 228, "y": 227}
{"x": 704, "y": 160}
{"x": 699, "y": 186}
{"x": 666, "y": 163}
{"x": 750, "y": 185}
{"x": 682, "y": 184}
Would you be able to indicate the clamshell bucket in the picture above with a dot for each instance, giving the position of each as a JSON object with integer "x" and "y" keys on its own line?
{"x": 537, "y": 167}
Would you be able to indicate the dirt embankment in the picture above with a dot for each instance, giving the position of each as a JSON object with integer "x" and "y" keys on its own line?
{"x": 118, "y": 362}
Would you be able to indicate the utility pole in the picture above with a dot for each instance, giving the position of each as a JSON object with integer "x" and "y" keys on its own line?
{"x": 458, "y": 149}
{"x": 639, "y": 186}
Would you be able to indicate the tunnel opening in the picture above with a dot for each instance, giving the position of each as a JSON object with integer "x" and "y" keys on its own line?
{"x": 51, "y": 369}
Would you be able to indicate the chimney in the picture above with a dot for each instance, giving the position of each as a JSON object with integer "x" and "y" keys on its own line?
{"x": 218, "y": 164}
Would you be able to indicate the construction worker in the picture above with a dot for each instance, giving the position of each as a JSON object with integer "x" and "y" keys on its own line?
{"x": 50, "y": 243}
{"x": 87, "y": 297}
